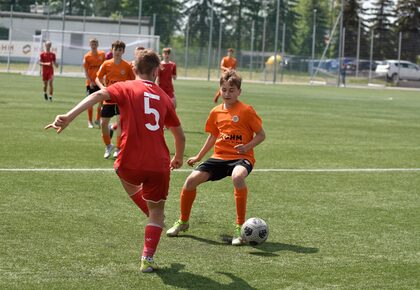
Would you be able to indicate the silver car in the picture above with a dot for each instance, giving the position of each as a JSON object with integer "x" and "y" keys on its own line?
{"x": 395, "y": 70}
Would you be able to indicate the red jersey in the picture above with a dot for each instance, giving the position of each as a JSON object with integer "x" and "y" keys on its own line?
{"x": 47, "y": 57}
{"x": 166, "y": 71}
{"x": 233, "y": 126}
{"x": 144, "y": 111}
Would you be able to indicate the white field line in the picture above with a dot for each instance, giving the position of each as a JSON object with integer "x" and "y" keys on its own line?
{"x": 189, "y": 170}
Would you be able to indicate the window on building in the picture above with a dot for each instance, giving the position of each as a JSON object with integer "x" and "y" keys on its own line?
{"x": 4, "y": 33}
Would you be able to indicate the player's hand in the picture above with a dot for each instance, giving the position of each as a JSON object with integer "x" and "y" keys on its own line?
{"x": 241, "y": 149}
{"x": 59, "y": 124}
{"x": 176, "y": 163}
{"x": 192, "y": 160}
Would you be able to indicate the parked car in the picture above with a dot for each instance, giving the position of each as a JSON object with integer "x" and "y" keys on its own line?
{"x": 394, "y": 70}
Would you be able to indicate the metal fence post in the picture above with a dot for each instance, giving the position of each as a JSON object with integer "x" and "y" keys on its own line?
{"x": 10, "y": 38}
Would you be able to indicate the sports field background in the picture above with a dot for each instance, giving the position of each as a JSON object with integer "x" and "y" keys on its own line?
{"x": 352, "y": 224}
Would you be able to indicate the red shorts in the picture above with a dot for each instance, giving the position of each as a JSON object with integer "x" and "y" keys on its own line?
{"x": 155, "y": 184}
{"x": 47, "y": 75}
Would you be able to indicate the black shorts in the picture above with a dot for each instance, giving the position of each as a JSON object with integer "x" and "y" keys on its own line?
{"x": 219, "y": 169}
{"x": 89, "y": 90}
{"x": 109, "y": 111}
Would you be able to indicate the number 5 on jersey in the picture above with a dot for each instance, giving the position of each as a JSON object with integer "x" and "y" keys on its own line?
{"x": 148, "y": 110}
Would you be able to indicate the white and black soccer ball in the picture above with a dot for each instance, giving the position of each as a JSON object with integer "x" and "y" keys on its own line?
{"x": 254, "y": 231}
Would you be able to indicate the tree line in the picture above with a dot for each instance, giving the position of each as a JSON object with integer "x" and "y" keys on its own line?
{"x": 235, "y": 19}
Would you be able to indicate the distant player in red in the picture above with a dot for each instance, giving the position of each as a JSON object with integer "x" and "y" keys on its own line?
{"x": 167, "y": 74}
{"x": 234, "y": 129}
{"x": 47, "y": 61}
{"x": 144, "y": 164}
{"x": 111, "y": 71}
{"x": 92, "y": 61}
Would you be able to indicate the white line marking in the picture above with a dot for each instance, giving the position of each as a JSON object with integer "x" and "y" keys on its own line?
{"x": 189, "y": 170}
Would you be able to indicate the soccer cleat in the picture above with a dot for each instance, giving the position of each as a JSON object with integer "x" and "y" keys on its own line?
{"x": 46, "y": 97}
{"x": 108, "y": 151}
{"x": 50, "y": 98}
{"x": 148, "y": 265}
{"x": 237, "y": 238}
{"x": 179, "y": 226}
{"x": 90, "y": 125}
{"x": 116, "y": 152}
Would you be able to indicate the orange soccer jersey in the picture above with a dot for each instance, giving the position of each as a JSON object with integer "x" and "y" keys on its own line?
{"x": 114, "y": 73}
{"x": 232, "y": 127}
{"x": 92, "y": 63}
{"x": 229, "y": 62}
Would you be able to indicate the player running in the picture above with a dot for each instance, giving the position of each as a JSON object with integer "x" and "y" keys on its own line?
{"x": 112, "y": 71}
{"x": 234, "y": 130}
{"x": 92, "y": 61}
{"x": 47, "y": 60}
{"x": 143, "y": 165}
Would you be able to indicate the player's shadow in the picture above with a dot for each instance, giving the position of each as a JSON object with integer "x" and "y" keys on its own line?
{"x": 174, "y": 276}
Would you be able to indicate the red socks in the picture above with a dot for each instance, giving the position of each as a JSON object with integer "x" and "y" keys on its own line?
{"x": 152, "y": 234}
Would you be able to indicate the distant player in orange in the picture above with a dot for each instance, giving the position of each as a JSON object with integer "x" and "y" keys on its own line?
{"x": 92, "y": 61}
{"x": 144, "y": 164}
{"x": 167, "y": 74}
{"x": 228, "y": 62}
{"x": 234, "y": 130}
{"x": 47, "y": 60}
{"x": 113, "y": 71}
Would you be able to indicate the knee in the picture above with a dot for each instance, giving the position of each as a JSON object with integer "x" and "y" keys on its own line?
{"x": 238, "y": 180}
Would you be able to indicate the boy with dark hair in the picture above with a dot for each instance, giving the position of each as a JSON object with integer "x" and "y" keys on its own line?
{"x": 113, "y": 70}
{"x": 144, "y": 163}
{"x": 234, "y": 130}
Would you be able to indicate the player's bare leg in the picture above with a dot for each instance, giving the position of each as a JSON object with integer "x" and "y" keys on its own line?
{"x": 239, "y": 175}
{"x": 50, "y": 83}
{"x": 106, "y": 137}
{"x": 45, "y": 90}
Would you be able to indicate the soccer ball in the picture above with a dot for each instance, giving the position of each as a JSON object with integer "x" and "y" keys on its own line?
{"x": 254, "y": 231}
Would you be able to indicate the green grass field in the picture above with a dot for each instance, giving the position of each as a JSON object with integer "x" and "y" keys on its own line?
{"x": 328, "y": 229}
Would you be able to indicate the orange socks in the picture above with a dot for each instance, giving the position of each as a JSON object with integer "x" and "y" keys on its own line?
{"x": 240, "y": 200}
{"x": 187, "y": 199}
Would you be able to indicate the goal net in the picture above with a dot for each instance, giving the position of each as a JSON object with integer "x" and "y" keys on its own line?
{"x": 71, "y": 46}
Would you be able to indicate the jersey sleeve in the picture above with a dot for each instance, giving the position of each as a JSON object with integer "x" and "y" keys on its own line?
{"x": 171, "y": 118}
{"x": 254, "y": 120}
{"x": 174, "y": 70}
{"x": 101, "y": 72}
{"x": 116, "y": 93}
{"x": 211, "y": 124}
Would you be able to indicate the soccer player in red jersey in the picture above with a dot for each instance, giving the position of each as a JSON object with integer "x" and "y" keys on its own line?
{"x": 167, "y": 74}
{"x": 47, "y": 61}
{"x": 92, "y": 61}
{"x": 144, "y": 163}
{"x": 234, "y": 130}
{"x": 111, "y": 71}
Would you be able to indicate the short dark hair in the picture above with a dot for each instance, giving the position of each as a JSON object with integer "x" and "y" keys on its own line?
{"x": 231, "y": 77}
{"x": 230, "y": 49}
{"x": 118, "y": 44}
{"x": 167, "y": 50}
{"x": 146, "y": 61}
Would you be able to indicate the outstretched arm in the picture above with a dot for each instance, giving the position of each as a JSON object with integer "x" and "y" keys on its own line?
{"x": 258, "y": 138}
{"x": 62, "y": 121}
{"x": 211, "y": 140}
{"x": 179, "y": 137}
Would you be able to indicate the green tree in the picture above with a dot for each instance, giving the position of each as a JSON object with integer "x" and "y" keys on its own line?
{"x": 306, "y": 10}
{"x": 168, "y": 15}
{"x": 408, "y": 23}
{"x": 18, "y": 5}
{"x": 352, "y": 15}
{"x": 385, "y": 45}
